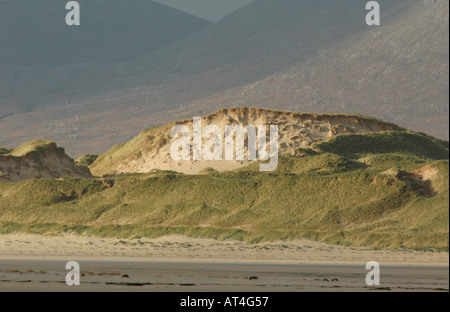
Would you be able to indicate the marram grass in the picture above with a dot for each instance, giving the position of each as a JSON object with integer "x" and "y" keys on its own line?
{"x": 335, "y": 194}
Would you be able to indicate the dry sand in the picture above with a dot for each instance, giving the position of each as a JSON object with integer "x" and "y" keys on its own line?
{"x": 185, "y": 249}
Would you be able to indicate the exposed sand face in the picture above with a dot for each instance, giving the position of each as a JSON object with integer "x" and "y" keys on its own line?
{"x": 295, "y": 131}
{"x": 184, "y": 249}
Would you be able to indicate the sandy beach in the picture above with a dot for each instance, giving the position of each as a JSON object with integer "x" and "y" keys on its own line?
{"x": 177, "y": 263}
{"x": 185, "y": 249}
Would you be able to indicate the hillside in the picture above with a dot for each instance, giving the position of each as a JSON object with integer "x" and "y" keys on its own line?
{"x": 398, "y": 72}
{"x": 288, "y": 55}
{"x": 38, "y": 159}
{"x": 109, "y": 33}
{"x": 391, "y": 191}
{"x": 41, "y": 57}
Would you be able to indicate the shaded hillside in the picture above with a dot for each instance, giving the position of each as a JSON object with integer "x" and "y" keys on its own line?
{"x": 397, "y": 72}
{"x": 395, "y": 198}
{"x": 34, "y": 33}
{"x": 37, "y": 160}
{"x": 41, "y": 56}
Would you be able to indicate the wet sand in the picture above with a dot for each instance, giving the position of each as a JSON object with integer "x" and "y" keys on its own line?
{"x": 47, "y": 275}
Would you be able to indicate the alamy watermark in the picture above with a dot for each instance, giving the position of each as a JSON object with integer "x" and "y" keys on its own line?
{"x": 373, "y": 17}
{"x": 73, "y": 17}
{"x": 73, "y": 277}
{"x": 373, "y": 277}
{"x": 213, "y": 148}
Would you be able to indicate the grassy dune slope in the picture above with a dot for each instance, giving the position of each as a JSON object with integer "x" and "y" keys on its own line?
{"x": 86, "y": 160}
{"x": 29, "y": 147}
{"x": 383, "y": 195}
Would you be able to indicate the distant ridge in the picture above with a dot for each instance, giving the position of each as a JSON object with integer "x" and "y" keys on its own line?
{"x": 42, "y": 59}
{"x": 34, "y": 33}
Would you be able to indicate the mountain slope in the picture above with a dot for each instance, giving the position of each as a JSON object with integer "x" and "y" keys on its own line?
{"x": 397, "y": 72}
{"x": 41, "y": 56}
{"x": 34, "y": 33}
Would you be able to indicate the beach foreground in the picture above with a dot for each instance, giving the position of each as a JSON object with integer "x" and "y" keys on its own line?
{"x": 185, "y": 249}
{"x": 177, "y": 263}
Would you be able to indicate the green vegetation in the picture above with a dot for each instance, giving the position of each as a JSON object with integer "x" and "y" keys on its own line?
{"x": 4, "y": 150}
{"x": 336, "y": 192}
{"x": 394, "y": 142}
{"x": 32, "y": 146}
{"x": 86, "y": 160}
